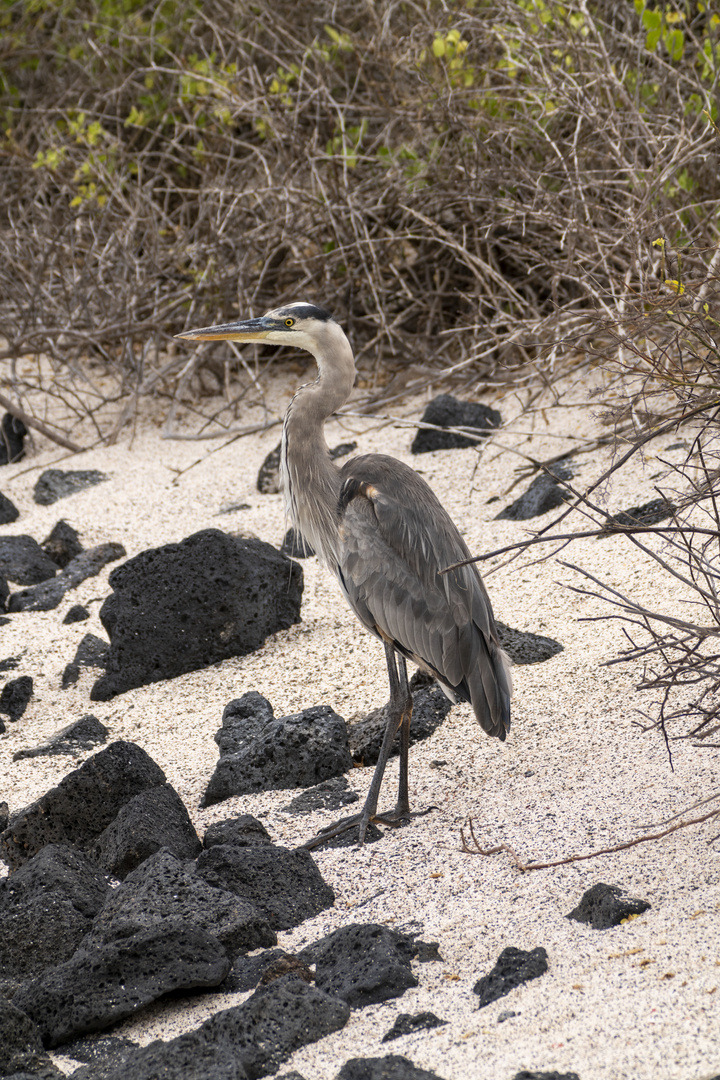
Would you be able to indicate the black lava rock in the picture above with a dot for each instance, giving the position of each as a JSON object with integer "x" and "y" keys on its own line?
{"x": 546, "y": 492}
{"x": 363, "y": 963}
{"x": 650, "y": 513}
{"x": 526, "y": 1074}
{"x": 181, "y": 1059}
{"x": 23, "y": 561}
{"x": 46, "y": 908}
{"x": 250, "y": 1040}
{"x": 330, "y": 795}
{"x": 262, "y": 753}
{"x": 76, "y": 613}
{"x": 91, "y": 652}
{"x": 63, "y": 543}
{"x": 21, "y": 1050}
{"x": 513, "y": 968}
{"x": 604, "y": 906}
{"x": 164, "y": 891}
{"x": 12, "y": 434}
{"x": 77, "y": 737}
{"x": 446, "y": 411}
{"x": 242, "y": 717}
{"x": 152, "y": 820}
{"x": 430, "y": 707}
{"x": 409, "y": 1023}
{"x": 98, "y": 987}
{"x": 184, "y": 606}
{"x": 428, "y": 952}
{"x": 83, "y": 804}
{"x": 295, "y": 546}
{"x": 268, "y": 480}
{"x": 49, "y": 594}
{"x": 244, "y": 830}
{"x": 524, "y": 647}
{"x": 391, "y": 1067}
{"x": 285, "y": 885}
{"x": 247, "y": 971}
{"x": 4, "y": 594}
{"x": 8, "y": 510}
{"x": 15, "y": 697}
{"x": 54, "y": 484}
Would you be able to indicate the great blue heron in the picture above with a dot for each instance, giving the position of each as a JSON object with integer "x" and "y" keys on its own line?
{"x": 381, "y": 530}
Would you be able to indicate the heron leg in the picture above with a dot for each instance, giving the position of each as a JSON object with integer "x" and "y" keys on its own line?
{"x": 399, "y": 712}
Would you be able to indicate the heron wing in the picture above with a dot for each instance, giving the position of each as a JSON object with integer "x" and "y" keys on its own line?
{"x": 395, "y": 537}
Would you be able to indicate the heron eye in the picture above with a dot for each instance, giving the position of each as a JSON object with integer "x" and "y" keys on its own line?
{"x": 289, "y": 322}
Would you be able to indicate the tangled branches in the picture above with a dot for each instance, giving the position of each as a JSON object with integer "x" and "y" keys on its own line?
{"x": 461, "y": 183}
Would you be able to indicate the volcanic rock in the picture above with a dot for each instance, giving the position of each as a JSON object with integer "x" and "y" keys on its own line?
{"x": 76, "y": 613}
{"x": 409, "y": 1023}
{"x": 164, "y": 891}
{"x": 46, "y": 908}
{"x": 23, "y": 561}
{"x": 604, "y": 906}
{"x": 249, "y": 1040}
{"x": 513, "y": 968}
{"x": 391, "y": 1067}
{"x": 15, "y": 697}
{"x": 244, "y": 830}
{"x": 649, "y": 513}
{"x": 54, "y": 484}
{"x": 98, "y": 987}
{"x": 446, "y": 411}
{"x": 21, "y": 1050}
{"x": 184, "y": 606}
{"x": 77, "y": 737}
{"x": 8, "y": 510}
{"x": 285, "y": 885}
{"x": 546, "y": 492}
{"x": 63, "y": 543}
{"x": 262, "y": 753}
{"x": 295, "y": 546}
{"x": 48, "y": 594}
{"x": 83, "y": 804}
{"x": 363, "y": 963}
{"x": 152, "y": 820}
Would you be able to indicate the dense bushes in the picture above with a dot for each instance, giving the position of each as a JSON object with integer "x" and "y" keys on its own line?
{"x": 495, "y": 167}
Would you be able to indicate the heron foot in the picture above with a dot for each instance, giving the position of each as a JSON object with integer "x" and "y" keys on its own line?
{"x": 394, "y": 819}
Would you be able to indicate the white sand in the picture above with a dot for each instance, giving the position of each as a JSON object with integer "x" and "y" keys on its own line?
{"x": 641, "y": 1000}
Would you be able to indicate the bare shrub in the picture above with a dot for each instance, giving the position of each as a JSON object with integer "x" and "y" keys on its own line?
{"x": 461, "y": 182}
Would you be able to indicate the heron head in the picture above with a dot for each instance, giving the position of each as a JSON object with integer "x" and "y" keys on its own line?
{"x": 299, "y": 324}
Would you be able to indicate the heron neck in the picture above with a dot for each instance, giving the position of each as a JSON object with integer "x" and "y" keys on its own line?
{"x": 310, "y": 480}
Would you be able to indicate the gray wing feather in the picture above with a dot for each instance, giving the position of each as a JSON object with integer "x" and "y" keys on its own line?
{"x": 395, "y": 536}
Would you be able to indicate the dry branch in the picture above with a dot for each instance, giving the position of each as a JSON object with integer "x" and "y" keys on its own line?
{"x": 476, "y": 848}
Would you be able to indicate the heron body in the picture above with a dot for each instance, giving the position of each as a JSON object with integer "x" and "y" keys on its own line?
{"x": 382, "y": 531}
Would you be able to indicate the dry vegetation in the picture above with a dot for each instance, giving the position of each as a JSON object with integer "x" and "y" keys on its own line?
{"x": 486, "y": 191}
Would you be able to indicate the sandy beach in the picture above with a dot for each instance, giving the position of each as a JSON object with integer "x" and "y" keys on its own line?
{"x": 641, "y": 1000}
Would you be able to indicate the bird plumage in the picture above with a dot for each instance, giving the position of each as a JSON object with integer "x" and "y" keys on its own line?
{"x": 383, "y": 532}
{"x": 395, "y": 538}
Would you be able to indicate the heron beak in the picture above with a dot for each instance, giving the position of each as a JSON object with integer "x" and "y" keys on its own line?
{"x": 245, "y": 330}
